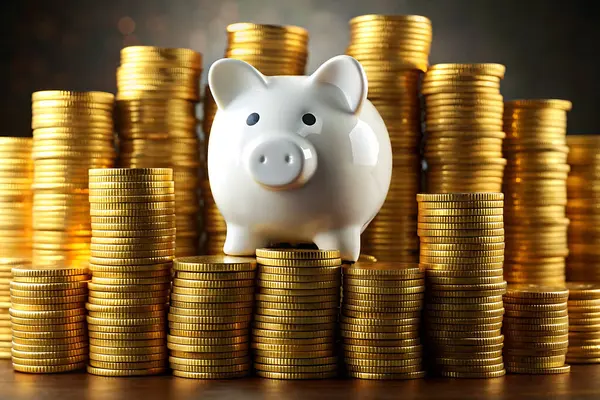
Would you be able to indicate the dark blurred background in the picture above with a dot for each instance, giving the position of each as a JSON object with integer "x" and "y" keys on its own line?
{"x": 548, "y": 46}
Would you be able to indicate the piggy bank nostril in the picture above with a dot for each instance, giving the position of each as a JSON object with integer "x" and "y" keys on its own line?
{"x": 262, "y": 159}
{"x": 288, "y": 159}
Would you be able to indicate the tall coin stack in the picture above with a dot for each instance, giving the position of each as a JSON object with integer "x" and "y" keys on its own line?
{"x": 462, "y": 250}
{"x": 156, "y": 120}
{"x": 16, "y": 174}
{"x": 295, "y": 318}
{"x": 535, "y": 186}
{"x": 584, "y": 323}
{"x": 536, "y": 329}
{"x": 273, "y": 50}
{"x": 133, "y": 243}
{"x": 463, "y": 148}
{"x": 72, "y": 132}
{"x": 47, "y": 311}
{"x": 6, "y": 266}
{"x": 380, "y": 320}
{"x": 209, "y": 319}
{"x": 583, "y": 195}
{"x": 394, "y": 51}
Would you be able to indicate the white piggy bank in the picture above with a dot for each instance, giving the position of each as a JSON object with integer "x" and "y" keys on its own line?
{"x": 296, "y": 158}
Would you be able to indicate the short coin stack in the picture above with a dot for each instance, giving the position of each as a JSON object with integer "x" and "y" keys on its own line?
{"x": 209, "y": 319}
{"x": 462, "y": 249}
{"x": 133, "y": 242}
{"x": 463, "y": 147}
{"x": 48, "y": 319}
{"x": 295, "y": 318}
{"x": 72, "y": 132}
{"x": 273, "y": 50}
{"x": 583, "y": 195}
{"x": 535, "y": 185}
{"x": 394, "y": 51}
{"x": 16, "y": 174}
{"x": 536, "y": 329}
{"x": 6, "y": 266}
{"x": 584, "y": 323}
{"x": 380, "y": 320}
{"x": 156, "y": 120}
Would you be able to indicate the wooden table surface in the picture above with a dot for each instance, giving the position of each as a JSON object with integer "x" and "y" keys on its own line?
{"x": 582, "y": 383}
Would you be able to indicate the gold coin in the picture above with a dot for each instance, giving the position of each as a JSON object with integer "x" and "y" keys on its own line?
{"x": 297, "y": 254}
{"x": 326, "y": 304}
{"x": 130, "y": 281}
{"x": 124, "y": 321}
{"x": 23, "y": 328}
{"x": 374, "y": 303}
{"x": 48, "y": 369}
{"x": 298, "y": 271}
{"x": 126, "y": 288}
{"x": 48, "y": 293}
{"x": 296, "y": 375}
{"x": 333, "y": 284}
{"x": 298, "y": 278}
{"x": 292, "y": 335}
{"x": 126, "y": 344}
{"x": 38, "y": 362}
{"x": 561, "y": 306}
{"x": 126, "y": 329}
{"x": 48, "y": 286}
{"x": 207, "y": 348}
{"x": 127, "y": 336}
{"x": 213, "y": 291}
{"x": 49, "y": 272}
{"x": 49, "y": 334}
{"x": 210, "y": 375}
{"x": 328, "y": 326}
{"x": 295, "y": 320}
{"x": 129, "y": 358}
{"x": 212, "y": 264}
{"x": 45, "y": 355}
{"x": 50, "y": 300}
{"x": 128, "y": 301}
{"x": 296, "y": 313}
{"x": 184, "y": 279}
{"x": 356, "y": 291}
{"x": 128, "y": 365}
{"x": 176, "y": 361}
{"x": 68, "y": 313}
{"x": 330, "y": 262}
{"x": 194, "y": 319}
{"x": 125, "y": 372}
{"x": 210, "y": 312}
{"x": 539, "y": 371}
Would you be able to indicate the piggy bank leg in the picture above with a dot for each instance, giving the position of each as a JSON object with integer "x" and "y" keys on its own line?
{"x": 346, "y": 240}
{"x": 240, "y": 241}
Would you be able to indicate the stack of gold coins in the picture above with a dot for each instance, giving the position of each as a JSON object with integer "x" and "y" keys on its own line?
{"x": 380, "y": 320}
{"x": 462, "y": 250}
{"x": 209, "y": 318}
{"x": 583, "y": 193}
{"x": 463, "y": 147}
{"x": 273, "y": 50}
{"x": 47, "y": 311}
{"x": 394, "y": 51}
{"x": 584, "y": 323}
{"x": 16, "y": 174}
{"x": 72, "y": 132}
{"x": 6, "y": 265}
{"x": 535, "y": 185}
{"x": 156, "y": 122}
{"x": 297, "y": 304}
{"x": 133, "y": 243}
{"x": 536, "y": 329}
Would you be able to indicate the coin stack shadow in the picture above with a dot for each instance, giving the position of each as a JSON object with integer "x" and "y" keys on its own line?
{"x": 16, "y": 175}
{"x": 72, "y": 132}
{"x": 535, "y": 186}
{"x": 394, "y": 52}
{"x": 380, "y": 320}
{"x": 48, "y": 319}
{"x": 536, "y": 329}
{"x": 463, "y": 123}
{"x": 133, "y": 243}
{"x": 462, "y": 250}
{"x": 158, "y": 89}
{"x": 6, "y": 266}
{"x": 297, "y": 304}
{"x": 583, "y": 195}
{"x": 209, "y": 319}
{"x": 273, "y": 50}
{"x": 584, "y": 323}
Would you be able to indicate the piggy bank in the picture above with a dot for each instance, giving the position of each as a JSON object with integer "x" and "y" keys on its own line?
{"x": 296, "y": 159}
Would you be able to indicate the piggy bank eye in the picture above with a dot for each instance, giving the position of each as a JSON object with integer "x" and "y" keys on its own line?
{"x": 309, "y": 119}
{"x": 252, "y": 119}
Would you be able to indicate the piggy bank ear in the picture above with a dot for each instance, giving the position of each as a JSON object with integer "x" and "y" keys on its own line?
{"x": 348, "y": 75}
{"x": 228, "y": 78}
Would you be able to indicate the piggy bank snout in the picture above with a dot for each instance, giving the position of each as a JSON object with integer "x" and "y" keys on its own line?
{"x": 281, "y": 162}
